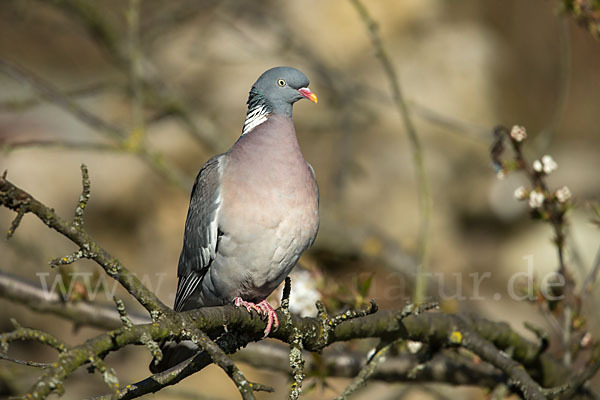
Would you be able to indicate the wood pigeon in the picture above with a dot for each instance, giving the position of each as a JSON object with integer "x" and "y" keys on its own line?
{"x": 253, "y": 210}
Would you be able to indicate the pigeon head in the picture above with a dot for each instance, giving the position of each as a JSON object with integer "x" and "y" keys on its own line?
{"x": 275, "y": 92}
{"x": 278, "y": 89}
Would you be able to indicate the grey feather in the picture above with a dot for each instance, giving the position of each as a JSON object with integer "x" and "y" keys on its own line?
{"x": 201, "y": 231}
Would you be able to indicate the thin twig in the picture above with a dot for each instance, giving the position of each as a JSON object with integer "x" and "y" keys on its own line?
{"x": 60, "y": 144}
{"x": 365, "y": 373}
{"x": 154, "y": 159}
{"x": 546, "y": 136}
{"x": 14, "y": 198}
{"x": 425, "y": 201}
{"x": 445, "y": 367}
{"x": 82, "y": 313}
{"x": 83, "y": 199}
{"x": 16, "y": 222}
{"x": 156, "y": 92}
{"x": 27, "y": 103}
{"x": 590, "y": 279}
{"x": 54, "y": 96}
{"x": 25, "y": 362}
{"x": 135, "y": 63}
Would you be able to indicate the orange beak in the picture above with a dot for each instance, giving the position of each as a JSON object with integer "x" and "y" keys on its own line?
{"x": 308, "y": 94}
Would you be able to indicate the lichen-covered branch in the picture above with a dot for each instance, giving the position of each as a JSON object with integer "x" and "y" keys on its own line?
{"x": 18, "y": 200}
{"x": 518, "y": 376}
{"x": 27, "y": 334}
{"x": 428, "y": 327}
{"x": 233, "y": 328}
{"x": 265, "y": 355}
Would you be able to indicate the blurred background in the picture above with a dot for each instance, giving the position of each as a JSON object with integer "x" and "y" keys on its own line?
{"x": 144, "y": 92}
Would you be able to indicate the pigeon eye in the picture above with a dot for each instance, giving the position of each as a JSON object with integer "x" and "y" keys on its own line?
{"x": 281, "y": 82}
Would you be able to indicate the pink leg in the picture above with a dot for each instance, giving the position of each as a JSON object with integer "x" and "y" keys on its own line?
{"x": 249, "y": 306}
{"x": 262, "y": 308}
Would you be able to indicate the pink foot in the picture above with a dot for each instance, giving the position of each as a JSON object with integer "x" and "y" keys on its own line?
{"x": 262, "y": 308}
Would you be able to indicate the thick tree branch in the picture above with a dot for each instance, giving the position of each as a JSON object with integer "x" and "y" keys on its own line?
{"x": 435, "y": 328}
{"x": 235, "y": 327}
{"x": 260, "y": 354}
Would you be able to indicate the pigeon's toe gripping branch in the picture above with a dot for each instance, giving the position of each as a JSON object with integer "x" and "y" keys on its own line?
{"x": 262, "y": 308}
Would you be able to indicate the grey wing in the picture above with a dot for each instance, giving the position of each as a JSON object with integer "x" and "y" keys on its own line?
{"x": 312, "y": 171}
{"x": 201, "y": 231}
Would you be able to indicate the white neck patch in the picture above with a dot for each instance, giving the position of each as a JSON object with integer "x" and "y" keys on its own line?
{"x": 254, "y": 118}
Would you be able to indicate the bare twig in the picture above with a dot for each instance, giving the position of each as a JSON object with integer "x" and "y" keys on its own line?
{"x": 590, "y": 279}
{"x": 425, "y": 201}
{"x": 25, "y": 362}
{"x": 27, "y": 103}
{"x": 53, "y": 95}
{"x": 20, "y": 291}
{"x": 14, "y": 198}
{"x": 443, "y": 368}
{"x": 154, "y": 159}
{"x": 83, "y": 199}
{"x": 135, "y": 63}
{"x": 546, "y": 136}
{"x": 15, "y": 223}
{"x": 60, "y": 144}
{"x": 156, "y": 92}
{"x": 367, "y": 371}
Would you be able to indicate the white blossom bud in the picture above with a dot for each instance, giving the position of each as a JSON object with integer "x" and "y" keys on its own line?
{"x": 536, "y": 199}
{"x": 520, "y": 193}
{"x": 501, "y": 174}
{"x": 549, "y": 164}
{"x": 563, "y": 194}
{"x": 586, "y": 340}
{"x": 413, "y": 346}
{"x": 538, "y": 166}
{"x": 518, "y": 133}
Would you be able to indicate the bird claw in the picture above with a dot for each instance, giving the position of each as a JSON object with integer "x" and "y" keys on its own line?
{"x": 263, "y": 308}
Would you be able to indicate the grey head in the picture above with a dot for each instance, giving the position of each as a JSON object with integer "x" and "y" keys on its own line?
{"x": 275, "y": 91}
